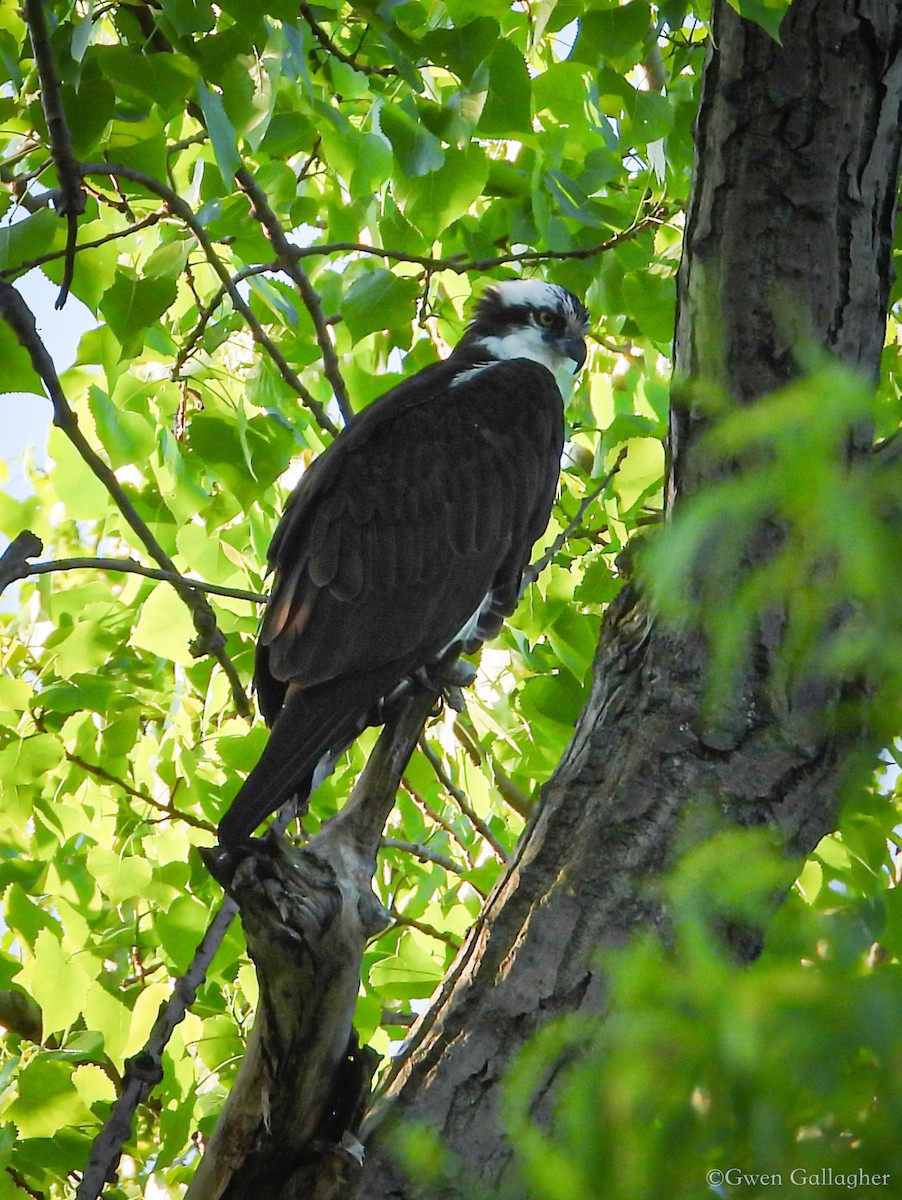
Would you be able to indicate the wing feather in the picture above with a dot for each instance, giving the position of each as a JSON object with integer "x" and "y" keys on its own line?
{"x": 428, "y": 501}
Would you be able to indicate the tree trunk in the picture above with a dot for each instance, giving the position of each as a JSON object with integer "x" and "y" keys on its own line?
{"x": 792, "y": 214}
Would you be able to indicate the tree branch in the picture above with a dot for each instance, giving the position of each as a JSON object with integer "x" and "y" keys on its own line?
{"x": 440, "y": 935}
{"x": 13, "y": 273}
{"x": 211, "y": 640}
{"x": 424, "y": 853}
{"x": 206, "y": 311}
{"x": 461, "y": 265}
{"x": 433, "y": 815}
{"x": 327, "y": 44}
{"x": 262, "y": 211}
{"x": 127, "y": 566}
{"x": 179, "y": 208}
{"x": 69, "y": 200}
{"x": 460, "y": 799}
{"x": 144, "y": 1070}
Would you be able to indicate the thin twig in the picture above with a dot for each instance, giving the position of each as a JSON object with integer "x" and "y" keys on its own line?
{"x": 461, "y": 265}
{"x": 460, "y": 798}
{"x": 127, "y": 566}
{"x": 510, "y": 793}
{"x": 206, "y": 311}
{"x": 424, "y": 853}
{"x": 421, "y": 927}
{"x": 101, "y": 773}
{"x": 12, "y": 273}
{"x": 69, "y": 200}
{"x": 144, "y": 1070}
{"x": 423, "y": 804}
{"x": 534, "y": 570}
{"x": 262, "y": 211}
{"x": 327, "y": 44}
{"x": 211, "y": 640}
{"x": 179, "y": 208}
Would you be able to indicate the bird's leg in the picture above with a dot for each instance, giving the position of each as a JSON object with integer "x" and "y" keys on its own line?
{"x": 450, "y": 676}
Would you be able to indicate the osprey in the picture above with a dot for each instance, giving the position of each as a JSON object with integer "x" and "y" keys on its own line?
{"x": 405, "y": 542}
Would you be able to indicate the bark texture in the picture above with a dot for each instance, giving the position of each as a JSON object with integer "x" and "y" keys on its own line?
{"x": 789, "y": 238}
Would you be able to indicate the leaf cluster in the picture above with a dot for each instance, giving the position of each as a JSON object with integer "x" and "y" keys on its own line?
{"x": 286, "y": 209}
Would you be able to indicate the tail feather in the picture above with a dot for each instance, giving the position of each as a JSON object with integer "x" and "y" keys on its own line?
{"x": 310, "y": 725}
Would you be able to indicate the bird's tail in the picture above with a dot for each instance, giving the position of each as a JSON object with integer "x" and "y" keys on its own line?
{"x": 312, "y": 723}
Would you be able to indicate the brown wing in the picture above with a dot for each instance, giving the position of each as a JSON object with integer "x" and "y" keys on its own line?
{"x": 431, "y": 499}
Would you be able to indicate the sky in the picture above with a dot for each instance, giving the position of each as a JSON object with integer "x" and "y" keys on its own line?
{"x": 25, "y": 418}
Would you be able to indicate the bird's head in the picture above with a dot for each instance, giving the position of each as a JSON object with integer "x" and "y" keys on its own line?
{"x": 528, "y": 318}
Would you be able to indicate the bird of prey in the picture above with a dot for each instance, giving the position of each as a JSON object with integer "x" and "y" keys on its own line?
{"x": 405, "y": 542}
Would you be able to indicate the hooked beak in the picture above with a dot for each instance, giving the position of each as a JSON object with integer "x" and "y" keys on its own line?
{"x": 574, "y": 348}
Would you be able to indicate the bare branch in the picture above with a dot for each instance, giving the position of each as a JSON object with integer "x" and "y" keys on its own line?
{"x": 262, "y": 211}
{"x": 534, "y": 570}
{"x": 127, "y": 566}
{"x": 206, "y": 311}
{"x": 327, "y": 44}
{"x": 22, "y": 1015}
{"x": 144, "y": 1070}
{"x": 179, "y": 208}
{"x": 434, "y": 815}
{"x": 69, "y": 200}
{"x": 211, "y": 640}
{"x": 440, "y": 935}
{"x": 12, "y": 273}
{"x": 169, "y": 809}
{"x": 460, "y": 798}
{"x": 15, "y": 557}
{"x": 461, "y": 265}
{"x": 424, "y": 853}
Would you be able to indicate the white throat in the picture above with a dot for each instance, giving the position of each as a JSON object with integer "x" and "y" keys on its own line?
{"x": 528, "y": 342}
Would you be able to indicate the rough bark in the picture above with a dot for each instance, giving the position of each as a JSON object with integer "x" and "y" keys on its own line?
{"x": 789, "y": 237}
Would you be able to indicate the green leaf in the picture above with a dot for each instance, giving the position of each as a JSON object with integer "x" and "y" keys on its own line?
{"x": 165, "y": 626}
{"x": 127, "y": 437}
{"x": 74, "y": 482}
{"x": 131, "y": 305}
{"x": 48, "y": 1100}
{"x": 768, "y": 14}
{"x": 119, "y": 877}
{"x": 26, "y": 759}
{"x": 508, "y": 107}
{"x": 417, "y": 151}
{"x": 164, "y": 78}
{"x": 18, "y": 374}
{"x": 441, "y": 197}
{"x": 56, "y": 980}
{"x": 378, "y": 300}
{"x": 613, "y": 33}
{"x": 221, "y": 130}
{"x": 31, "y": 237}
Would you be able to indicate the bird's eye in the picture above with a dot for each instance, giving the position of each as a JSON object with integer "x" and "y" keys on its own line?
{"x": 546, "y": 318}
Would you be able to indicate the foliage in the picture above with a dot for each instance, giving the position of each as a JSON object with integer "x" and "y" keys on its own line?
{"x": 706, "y": 1077}
{"x": 410, "y": 153}
{"x": 792, "y": 528}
